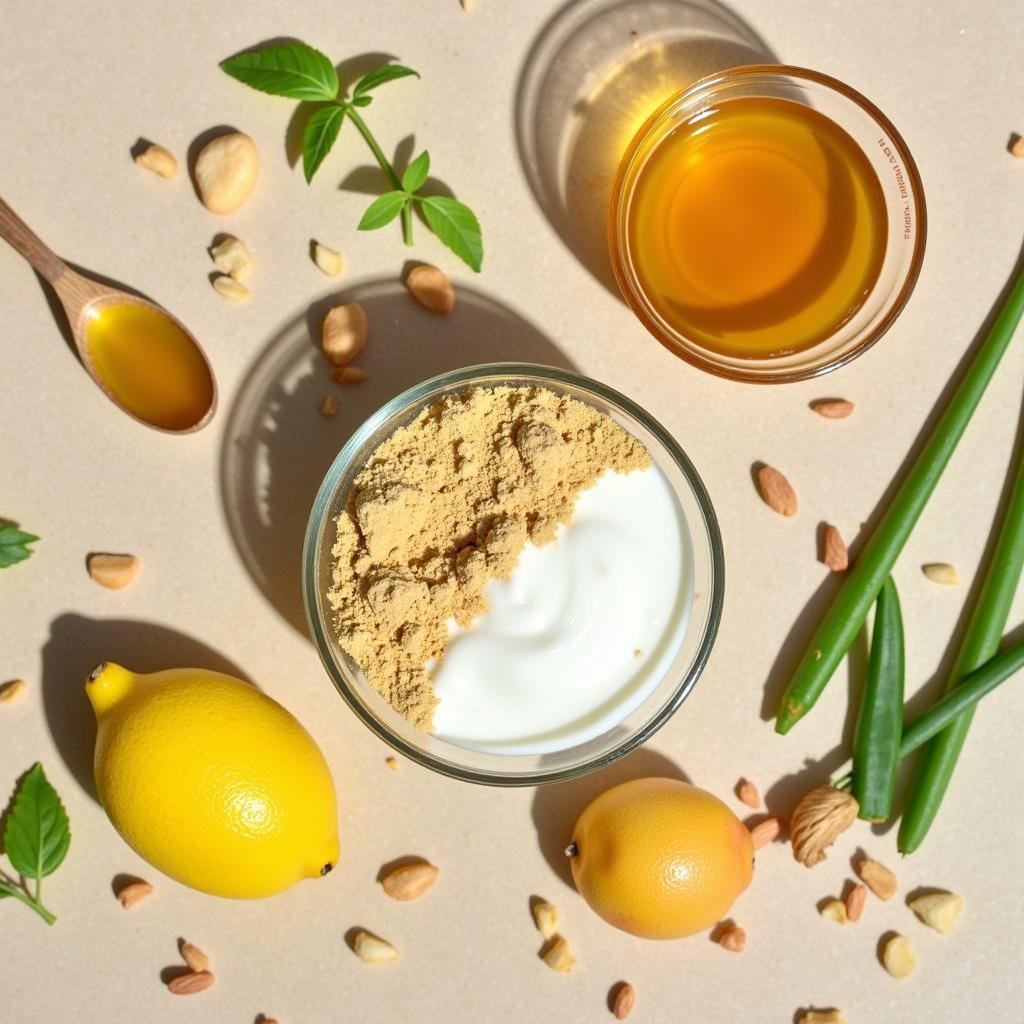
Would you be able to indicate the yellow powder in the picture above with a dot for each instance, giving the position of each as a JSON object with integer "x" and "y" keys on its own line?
{"x": 447, "y": 504}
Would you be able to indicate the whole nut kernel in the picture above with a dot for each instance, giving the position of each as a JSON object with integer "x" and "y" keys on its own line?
{"x": 12, "y": 691}
{"x": 938, "y": 910}
{"x": 373, "y": 950}
{"x": 624, "y": 1001}
{"x": 832, "y": 408}
{"x": 431, "y": 288}
{"x": 190, "y": 983}
{"x": 132, "y": 894}
{"x": 344, "y": 332}
{"x": 196, "y": 959}
{"x": 855, "y": 900}
{"x": 898, "y": 957}
{"x": 328, "y": 260}
{"x": 941, "y": 572}
{"x": 545, "y": 917}
{"x": 558, "y": 956}
{"x": 747, "y": 793}
{"x": 821, "y": 1017}
{"x": 112, "y": 571}
{"x": 834, "y": 910}
{"x": 878, "y": 878}
{"x": 230, "y": 289}
{"x": 231, "y": 256}
{"x": 410, "y": 881}
{"x": 733, "y": 939}
{"x": 765, "y": 832}
{"x": 225, "y": 172}
{"x": 1017, "y": 146}
{"x": 776, "y": 491}
{"x": 834, "y": 553}
{"x": 348, "y": 375}
{"x": 158, "y": 160}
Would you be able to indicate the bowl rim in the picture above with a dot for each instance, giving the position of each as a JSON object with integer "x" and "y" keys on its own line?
{"x": 319, "y": 522}
{"x": 617, "y": 245}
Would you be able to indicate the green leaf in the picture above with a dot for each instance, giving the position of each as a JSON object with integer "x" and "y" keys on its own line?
{"x": 38, "y": 834}
{"x": 416, "y": 173}
{"x": 379, "y": 76}
{"x": 362, "y": 101}
{"x": 14, "y": 545}
{"x": 320, "y": 134}
{"x": 291, "y": 69}
{"x": 383, "y": 210}
{"x": 456, "y": 225}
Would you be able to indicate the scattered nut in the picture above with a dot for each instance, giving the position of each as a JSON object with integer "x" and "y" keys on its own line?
{"x": 878, "y": 878}
{"x": 112, "y": 571}
{"x": 232, "y": 257}
{"x": 765, "y": 832}
{"x": 733, "y": 939}
{"x": 855, "y": 900}
{"x": 344, "y": 333}
{"x": 12, "y": 691}
{"x": 225, "y": 172}
{"x": 190, "y": 983}
{"x": 230, "y": 289}
{"x": 832, "y": 408}
{"x": 373, "y": 950}
{"x": 558, "y": 956}
{"x": 834, "y": 553}
{"x": 898, "y": 957}
{"x": 392, "y": 763}
{"x": 834, "y": 910}
{"x": 410, "y": 881}
{"x": 545, "y": 917}
{"x": 329, "y": 406}
{"x": 821, "y": 1017}
{"x": 328, "y": 260}
{"x": 348, "y": 374}
{"x": 196, "y": 959}
{"x": 776, "y": 491}
{"x": 467, "y": 5}
{"x": 624, "y": 1001}
{"x": 158, "y": 160}
{"x": 431, "y": 288}
{"x": 133, "y": 894}
{"x": 938, "y": 910}
{"x": 747, "y": 793}
{"x": 941, "y": 572}
{"x": 1017, "y": 146}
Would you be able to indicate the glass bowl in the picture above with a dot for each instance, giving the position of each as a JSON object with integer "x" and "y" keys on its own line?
{"x": 517, "y": 769}
{"x": 904, "y": 208}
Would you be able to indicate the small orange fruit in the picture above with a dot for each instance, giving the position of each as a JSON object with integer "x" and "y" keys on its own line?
{"x": 660, "y": 858}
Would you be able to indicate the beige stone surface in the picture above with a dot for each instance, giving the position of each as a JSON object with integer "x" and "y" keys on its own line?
{"x": 217, "y": 519}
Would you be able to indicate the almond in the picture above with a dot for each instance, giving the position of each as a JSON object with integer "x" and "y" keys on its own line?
{"x": 373, "y": 950}
{"x": 938, "y": 910}
{"x": 158, "y": 160}
{"x": 12, "y": 691}
{"x": 855, "y": 900}
{"x": 898, "y": 956}
{"x": 132, "y": 894}
{"x": 344, "y": 333}
{"x": 834, "y": 553}
{"x": 878, "y": 878}
{"x": 431, "y": 288}
{"x": 832, "y": 408}
{"x": 190, "y": 983}
{"x": 747, "y": 793}
{"x": 558, "y": 956}
{"x": 733, "y": 939}
{"x": 545, "y": 917}
{"x": 776, "y": 491}
{"x": 941, "y": 572}
{"x": 112, "y": 571}
{"x": 410, "y": 881}
{"x": 624, "y": 1001}
{"x": 348, "y": 374}
{"x": 834, "y": 910}
{"x": 765, "y": 832}
{"x": 196, "y": 959}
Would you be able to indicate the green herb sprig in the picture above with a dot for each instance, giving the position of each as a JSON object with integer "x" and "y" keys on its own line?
{"x": 36, "y": 840}
{"x": 300, "y": 72}
{"x": 14, "y": 544}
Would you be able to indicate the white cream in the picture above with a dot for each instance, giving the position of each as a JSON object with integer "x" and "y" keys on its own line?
{"x": 581, "y": 633}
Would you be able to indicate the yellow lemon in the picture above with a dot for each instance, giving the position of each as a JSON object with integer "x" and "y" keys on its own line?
{"x": 211, "y": 781}
{"x": 660, "y": 858}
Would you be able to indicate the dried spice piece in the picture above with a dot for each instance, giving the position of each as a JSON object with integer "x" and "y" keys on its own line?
{"x": 819, "y": 819}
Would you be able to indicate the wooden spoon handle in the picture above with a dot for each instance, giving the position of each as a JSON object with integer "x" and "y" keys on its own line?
{"x": 29, "y": 244}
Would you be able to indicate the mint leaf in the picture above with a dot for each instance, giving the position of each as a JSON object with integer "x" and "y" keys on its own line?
{"x": 379, "y": 76}
{"x": 291, "y": 69}
{"x": 14, "y": 545}
{"x": 362, "y": 101}
{"x": 383, "y": 210}
{"x": 321, "y": 131}
{"x": 416, "y": 173}
{"x": 456, "y": 225}
{"x": 38, "y": 834}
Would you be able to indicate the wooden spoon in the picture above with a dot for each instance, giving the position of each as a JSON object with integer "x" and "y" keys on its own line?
{"x": 84, "y": 301}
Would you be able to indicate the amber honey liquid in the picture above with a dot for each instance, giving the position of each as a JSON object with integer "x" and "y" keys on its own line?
{"x": 758, "y": 228}
{"x": 149, "y": 364}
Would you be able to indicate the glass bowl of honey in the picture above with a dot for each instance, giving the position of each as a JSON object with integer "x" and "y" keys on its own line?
{"x": 767, "y": 224}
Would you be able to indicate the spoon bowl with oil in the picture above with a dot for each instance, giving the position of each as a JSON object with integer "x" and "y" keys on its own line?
{"x": 144, "y": 359}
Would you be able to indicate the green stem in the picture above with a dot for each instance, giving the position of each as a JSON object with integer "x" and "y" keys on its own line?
{"x": 18, "y": 893}
{"x": 385, "y": 166}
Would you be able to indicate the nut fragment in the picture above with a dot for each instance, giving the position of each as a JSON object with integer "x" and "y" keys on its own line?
{"x": 834, "y": 910}
{"x": 373, "y": 950}
{"x": 196, "y": 959}
{"x": 856, "y": 897}
{"x": 231, "y": 256}
{"x": 765, "y": 832}
{"x": 328, "y": 260}
{"x": 1017, "y": 146}
{"x": 733, "y": 938}
{"x": 112, "y": 571}
{"x": 898, "y": 957}
{"x": 190, "y": 983}
{"x": 818, "y": 820}
{"x": 230, "y": 289}
{"x": 348, "y": 374}
{"x": 776, "y": 491}
{"x": 878, "y": 878}
{"x": 225, "y": 172}
{"x": 158, "y": 160}
{"x": 12, "y": 691}
{"x": 410, "y": 881}
{"x": 545, "y": 917}
{"x": 941, "y": 572}
{"x": 392, "y": 763}
{"x": 329, "y": 406}
{"x": 344, "y": 333}
{"x": 832, "y": 408}
{"x": 747, "y": 793}
{"x": 624, "y": 1001}
{"x": 134, "y": 893}
{"x": 821, "y": 1017}
{"x": 558, "y": 956}
{"x": 431, "y": 288}
{"x": 938, "y": 910}
{"x": 834, "y": 553}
